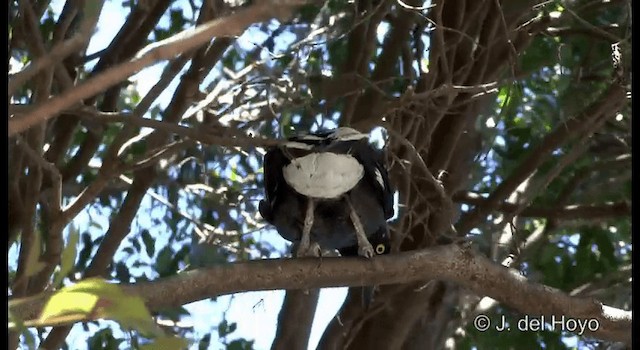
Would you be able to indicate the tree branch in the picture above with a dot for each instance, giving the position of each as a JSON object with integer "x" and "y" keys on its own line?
{"x": 455, "y": 263}
{"x": 295, "y": 319}
{"x": 57, "y": 54}
{"x": 204, "y": 134}
{"x": 162, "y": 50}
{"x": 608, "y": 103}
{"x": 56, "y": 178}
{"x": 567, "y": 212}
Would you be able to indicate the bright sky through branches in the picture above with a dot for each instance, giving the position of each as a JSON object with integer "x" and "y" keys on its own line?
{"x": 255, "y": 312}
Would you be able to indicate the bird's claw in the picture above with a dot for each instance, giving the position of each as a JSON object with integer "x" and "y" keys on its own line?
{"x": 309, "y": 250}
{"x": 366, "y": 250}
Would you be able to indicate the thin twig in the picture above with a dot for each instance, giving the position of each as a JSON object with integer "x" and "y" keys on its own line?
{"x": 156, "y": 155}
{"x": 166, "y": 49}
{"x": 201, "y": 227}
{"x": 201, "y": 134}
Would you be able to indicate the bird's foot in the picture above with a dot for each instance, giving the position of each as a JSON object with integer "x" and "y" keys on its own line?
{"x": 309, "y": 250}
{"x": 364, "y": 246}
{"x": 365, "y": 249}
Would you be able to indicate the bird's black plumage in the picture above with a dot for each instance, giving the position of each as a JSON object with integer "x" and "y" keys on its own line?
{"x": 335, "y": 181}
{"x": 380, "y": 241}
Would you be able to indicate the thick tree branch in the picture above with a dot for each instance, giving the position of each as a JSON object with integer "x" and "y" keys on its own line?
{"x": 295, "y": 319}
{"x": 452, "y": 262}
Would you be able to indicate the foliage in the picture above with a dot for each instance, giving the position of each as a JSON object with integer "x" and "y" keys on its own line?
{"x": 160, "y": 173}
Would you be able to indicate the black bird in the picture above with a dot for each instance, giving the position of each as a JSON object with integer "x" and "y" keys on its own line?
{"x": 328, "y": 190}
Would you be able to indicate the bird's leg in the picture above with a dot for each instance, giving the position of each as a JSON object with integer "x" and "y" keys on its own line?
{"x": 306, "y": 247}
{"x": 364, "y": 247}
{"x": 306, "y": 229}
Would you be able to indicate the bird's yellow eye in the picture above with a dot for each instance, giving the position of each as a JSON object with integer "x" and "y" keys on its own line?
{"x": 380, "y": 248}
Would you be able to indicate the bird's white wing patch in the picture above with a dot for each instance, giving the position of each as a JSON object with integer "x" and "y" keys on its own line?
{"x": 310, "y": 137}
{"x": 379, "y": 178}
{"x": 323, "y": 175}
{"x": 347, "y": 134}
{"x": 297, "y": 145}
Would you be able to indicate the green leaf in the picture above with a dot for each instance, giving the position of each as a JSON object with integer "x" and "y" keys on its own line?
{"x": 122, "y": 272}
{"x": 149, "y": 243}
{"x": 234, "y": 173}
{"x": 286, "y": 129}
{"x": 203, "y": 344}
{"x": 104, "y": 339}
{"x": 164, "y": 261}
{"x": 68, "y": 306}
{"x": 68, "y": 256}
{"x": 85, "y": 252}
{"x": 95, "y": 298}
{"x": 132, "y": 313}
{"x": 222, "y": 328}
{"x": 173, "y": 313}
{"x": 240, "y": 344}
{"x": 136, "y": 244}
